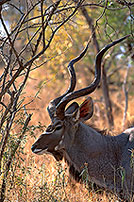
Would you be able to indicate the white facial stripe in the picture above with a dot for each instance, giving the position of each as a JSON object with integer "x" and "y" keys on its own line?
{"x": 62, "y": 137}
{"x": 37, "y": 150}
{"x": 60, "y": 143}
{"x": 48, "y": 133}
{"x": 57, "y": 126}
{"x": 40, "y": 151}
{"x": 56, "y": 148}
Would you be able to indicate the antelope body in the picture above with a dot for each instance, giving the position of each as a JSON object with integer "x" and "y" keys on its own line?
{"x": 109, "y": 159}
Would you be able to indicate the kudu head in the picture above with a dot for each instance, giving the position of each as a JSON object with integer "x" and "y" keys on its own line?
{"x": 65, "y": 122}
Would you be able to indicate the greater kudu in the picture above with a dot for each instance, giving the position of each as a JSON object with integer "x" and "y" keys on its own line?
{"x": 68, "y": 137}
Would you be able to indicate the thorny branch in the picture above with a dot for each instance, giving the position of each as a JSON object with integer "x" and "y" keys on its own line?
{"x": 35, "y": 56}
{"x": 19, "y": 62}
{"x": 10, "y": 158}
{"x": 17, "y": 65}
{"x": 14, "y": 74}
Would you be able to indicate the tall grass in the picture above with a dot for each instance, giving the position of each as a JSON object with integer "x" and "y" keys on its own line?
{"x": 33, "y": 178}
{"x": 43, "y": 184}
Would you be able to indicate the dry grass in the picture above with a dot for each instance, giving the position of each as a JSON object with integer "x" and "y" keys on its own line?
{"x": 39, "y": 178}
{"x": 42, "y": 179}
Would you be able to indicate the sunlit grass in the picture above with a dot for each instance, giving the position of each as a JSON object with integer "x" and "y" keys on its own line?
{"x": 50, "y": 183}
{"x": 35, "y": 178}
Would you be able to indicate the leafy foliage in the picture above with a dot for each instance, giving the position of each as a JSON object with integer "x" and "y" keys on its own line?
{"x": 37, "y": 40}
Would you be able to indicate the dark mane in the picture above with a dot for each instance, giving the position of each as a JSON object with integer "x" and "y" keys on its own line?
{"x": 104, "y": 132}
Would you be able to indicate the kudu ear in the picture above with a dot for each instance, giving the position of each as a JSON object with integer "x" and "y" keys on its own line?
{"x": 86, "y": 109}
{"x": 72, "y": 108}
{"x": 82, "y": 112}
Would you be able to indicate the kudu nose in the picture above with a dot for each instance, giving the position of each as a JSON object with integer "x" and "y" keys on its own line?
{"x": 33, "y": 147}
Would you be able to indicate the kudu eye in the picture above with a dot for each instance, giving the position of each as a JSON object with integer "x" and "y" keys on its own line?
{"x": 58, "y": 127}
{"x": 49, "y": 128}
{"x": 84, "y": 147}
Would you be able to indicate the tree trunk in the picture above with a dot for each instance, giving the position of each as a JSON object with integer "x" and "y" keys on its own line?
{"x": 105, "y": 89}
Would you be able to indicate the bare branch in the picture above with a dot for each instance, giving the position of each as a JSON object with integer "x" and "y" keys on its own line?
{"x": 43, "y": 30}
{"x": 10, "y": 158}
{"x": 52, "y": 35}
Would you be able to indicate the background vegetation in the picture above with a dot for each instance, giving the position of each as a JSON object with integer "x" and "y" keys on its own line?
{"x": 37, "y": 41}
